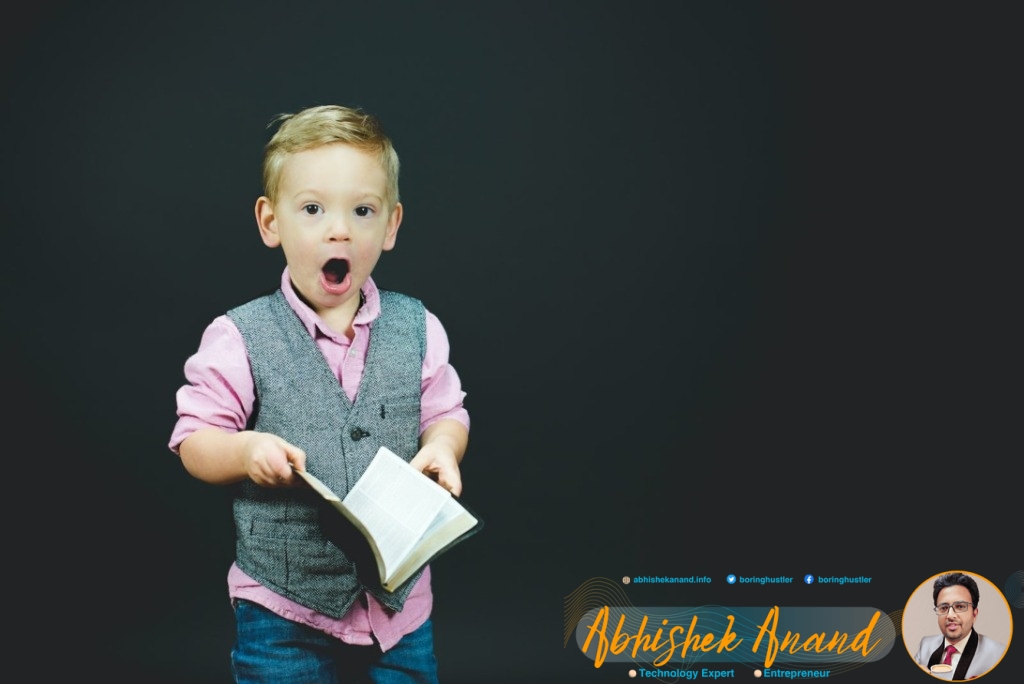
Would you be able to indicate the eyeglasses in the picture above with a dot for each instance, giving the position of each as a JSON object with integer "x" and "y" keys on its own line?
{"x": 959, "y": 607}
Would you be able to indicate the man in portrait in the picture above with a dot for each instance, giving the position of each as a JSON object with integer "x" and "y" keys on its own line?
{"x": 959, "y": 652}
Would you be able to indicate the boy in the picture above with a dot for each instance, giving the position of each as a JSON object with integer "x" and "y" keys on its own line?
{"x": 320, "y": 374}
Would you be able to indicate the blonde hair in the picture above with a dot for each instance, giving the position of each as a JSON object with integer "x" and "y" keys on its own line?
{"x": 323, "y": 125}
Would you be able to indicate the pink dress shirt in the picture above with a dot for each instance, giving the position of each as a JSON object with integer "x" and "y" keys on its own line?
{"x": 220, "y": 393}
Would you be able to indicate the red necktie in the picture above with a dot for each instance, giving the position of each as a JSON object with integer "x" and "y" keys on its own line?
{"x": 948, "y": 660}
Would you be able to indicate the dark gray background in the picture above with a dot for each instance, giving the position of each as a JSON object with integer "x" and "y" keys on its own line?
{"x": 728, "y": 286}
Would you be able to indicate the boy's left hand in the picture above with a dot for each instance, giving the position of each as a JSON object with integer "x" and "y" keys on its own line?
{"x": 437, "y": 461}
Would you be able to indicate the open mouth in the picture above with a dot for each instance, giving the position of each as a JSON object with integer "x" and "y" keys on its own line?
{"x": 335, "y": 271}
{"x": 335, "y": 278}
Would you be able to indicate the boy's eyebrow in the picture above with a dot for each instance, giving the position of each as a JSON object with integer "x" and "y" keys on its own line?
{"x": 357, "y": 195}
{"x": 368, "y": 193}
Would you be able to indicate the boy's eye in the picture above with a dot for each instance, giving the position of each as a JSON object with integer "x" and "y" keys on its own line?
{"x": 311, "y": 209}
{"x": 363, "y": 211}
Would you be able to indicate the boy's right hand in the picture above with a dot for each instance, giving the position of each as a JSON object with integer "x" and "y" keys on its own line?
{"x": 269, "y": 460}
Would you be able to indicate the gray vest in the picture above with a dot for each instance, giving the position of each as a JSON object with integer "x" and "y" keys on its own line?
{"x": 288, "y": 538}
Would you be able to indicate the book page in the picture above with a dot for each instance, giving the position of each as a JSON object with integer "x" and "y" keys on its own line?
{"x": 450, "y": 511}
{"x": 396, "y": 504}
{"x": 452, "y": 521}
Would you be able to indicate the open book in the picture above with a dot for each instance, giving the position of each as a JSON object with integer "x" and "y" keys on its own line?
{"x": 407, "y": 518}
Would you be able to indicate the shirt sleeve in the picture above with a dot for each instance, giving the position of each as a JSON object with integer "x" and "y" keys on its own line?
{"x": 219, "y": 391}
{"x": 441, "y": 394}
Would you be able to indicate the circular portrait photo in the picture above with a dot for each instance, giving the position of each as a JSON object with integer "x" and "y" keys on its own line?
{"x": 957, "y": 625}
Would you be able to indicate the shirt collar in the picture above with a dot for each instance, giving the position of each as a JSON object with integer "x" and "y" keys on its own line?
{"x": 366, "y": 314}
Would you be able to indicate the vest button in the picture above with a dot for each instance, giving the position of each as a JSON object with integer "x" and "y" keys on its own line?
{"x": 358, "y": 433}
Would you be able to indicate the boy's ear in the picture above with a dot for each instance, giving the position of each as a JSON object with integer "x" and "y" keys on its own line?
{"x": 266, "y": 221}
{"x": 394, "y": 221}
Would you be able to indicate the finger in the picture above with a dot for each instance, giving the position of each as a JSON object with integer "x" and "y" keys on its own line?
{"x": 281, "y": 472}
{"x": 284, "y": 468}
{"x": 420, "y": 461}
{"x": 297, "y": 458}
{"x": 451, "y": 480}
{"x": 267, "y": 478}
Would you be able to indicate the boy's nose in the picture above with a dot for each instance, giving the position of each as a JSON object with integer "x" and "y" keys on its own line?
{"x": 337, "y": 230}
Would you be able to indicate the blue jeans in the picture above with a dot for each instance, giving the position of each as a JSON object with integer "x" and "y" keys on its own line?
{"x": 271, "y": 649}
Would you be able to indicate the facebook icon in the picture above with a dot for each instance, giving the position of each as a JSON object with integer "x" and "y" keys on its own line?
{"x": 808, "y": 579}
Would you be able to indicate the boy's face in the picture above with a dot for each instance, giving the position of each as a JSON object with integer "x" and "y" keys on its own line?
{"x": 332, "y": 222}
